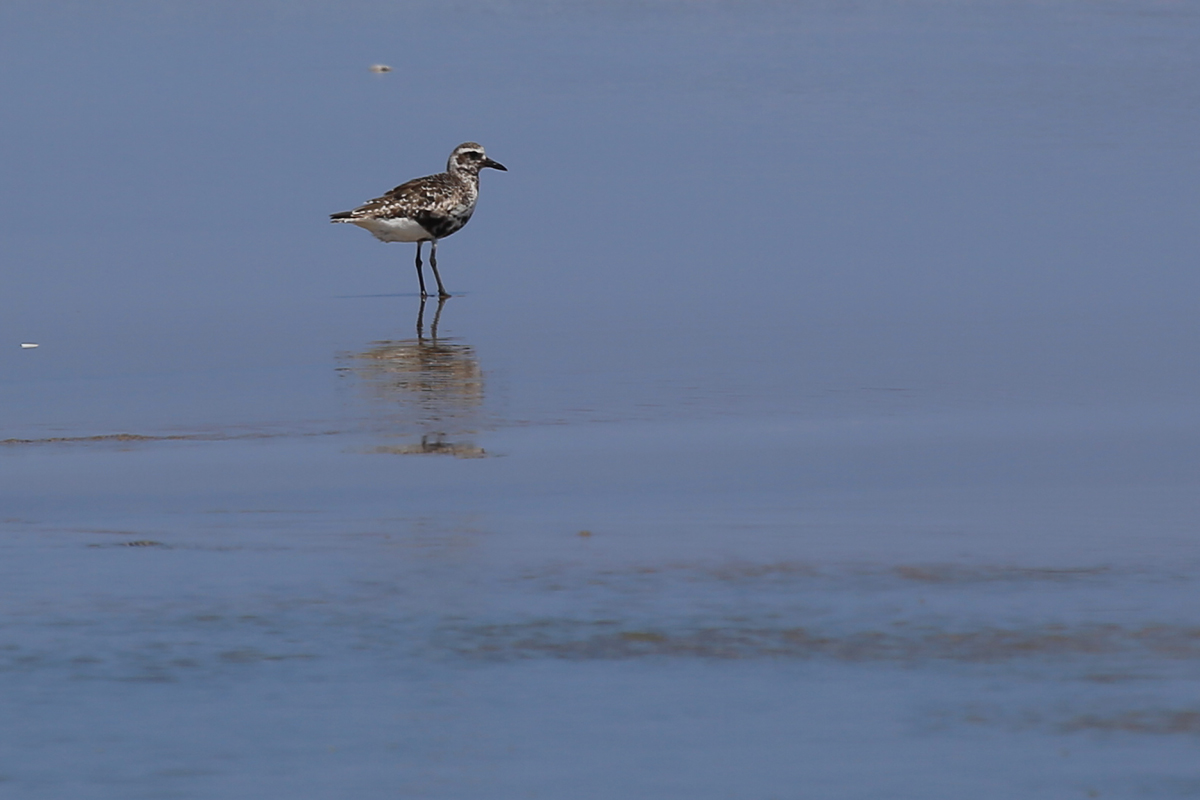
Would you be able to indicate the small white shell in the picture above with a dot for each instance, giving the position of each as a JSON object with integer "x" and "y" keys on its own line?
{"x": 27, "y": 345}
{"x": 380, "y": 68}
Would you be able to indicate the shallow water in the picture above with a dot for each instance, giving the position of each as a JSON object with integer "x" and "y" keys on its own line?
{"x": 814, "y": 416}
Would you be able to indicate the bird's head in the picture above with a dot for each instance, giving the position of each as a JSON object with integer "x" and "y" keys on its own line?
{"x": 470, "y": 158}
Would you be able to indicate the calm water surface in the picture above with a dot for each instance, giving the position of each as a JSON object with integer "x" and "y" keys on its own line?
{"x": 815, "y": 416}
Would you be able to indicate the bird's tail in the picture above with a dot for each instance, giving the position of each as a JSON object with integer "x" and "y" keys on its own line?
{"x": 341, "y": 216}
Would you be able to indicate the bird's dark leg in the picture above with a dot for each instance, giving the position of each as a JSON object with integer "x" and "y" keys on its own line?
{"x": 433, "y": 263}
{"x": 420, "y": 274}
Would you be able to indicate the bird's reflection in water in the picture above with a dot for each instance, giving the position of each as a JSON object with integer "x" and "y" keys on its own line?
{"x": 426, "y": 388}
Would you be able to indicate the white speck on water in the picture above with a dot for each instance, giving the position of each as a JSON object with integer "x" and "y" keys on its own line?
{"x": 27, "y": 345}
{"x": 380, "y": 68}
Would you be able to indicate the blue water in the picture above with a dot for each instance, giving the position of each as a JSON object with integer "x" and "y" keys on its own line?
{"x": 814, "y": 416}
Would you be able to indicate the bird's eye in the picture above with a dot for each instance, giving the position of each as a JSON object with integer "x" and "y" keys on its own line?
{"x": 476, "y": 156}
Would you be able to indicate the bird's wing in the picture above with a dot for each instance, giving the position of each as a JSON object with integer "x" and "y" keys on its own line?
{"x": 411, "y": 198}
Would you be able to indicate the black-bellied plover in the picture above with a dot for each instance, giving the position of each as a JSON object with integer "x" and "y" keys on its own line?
{"x": 426, "y": 209}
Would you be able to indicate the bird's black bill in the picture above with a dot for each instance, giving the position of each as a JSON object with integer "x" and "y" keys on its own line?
{"x": 487, "y": 162}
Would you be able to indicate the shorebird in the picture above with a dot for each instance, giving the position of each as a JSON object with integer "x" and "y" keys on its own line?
{"x": 426, "y": 209}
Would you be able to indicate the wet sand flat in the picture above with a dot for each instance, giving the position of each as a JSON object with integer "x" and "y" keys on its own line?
{"x": 814, "y": 416}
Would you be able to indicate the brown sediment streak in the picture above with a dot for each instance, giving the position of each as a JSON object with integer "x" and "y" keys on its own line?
{"x": 579, "y": 640}
{"x": 119, "y": 438}
{"x": 1157, "y": 721}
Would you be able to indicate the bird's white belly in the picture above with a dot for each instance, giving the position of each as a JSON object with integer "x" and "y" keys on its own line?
{"x": 400, "y": 229}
